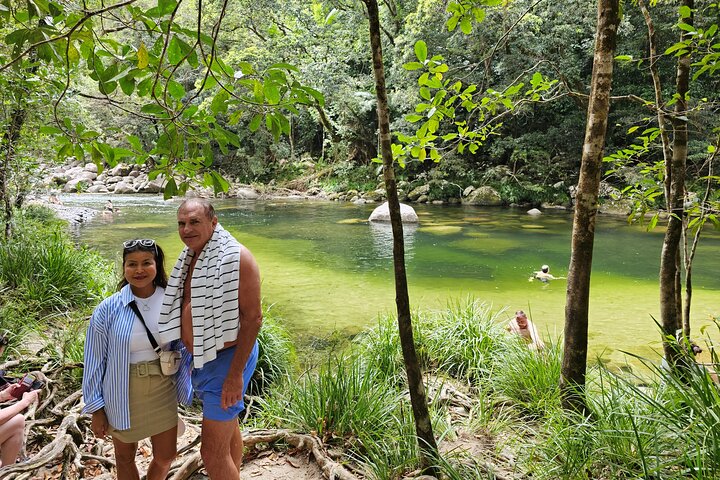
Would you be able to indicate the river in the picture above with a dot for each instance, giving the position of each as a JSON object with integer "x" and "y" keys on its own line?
{"x": 327, "y": 271}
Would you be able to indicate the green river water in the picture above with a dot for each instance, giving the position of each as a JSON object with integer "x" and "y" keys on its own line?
{"x": 326, "y": 269}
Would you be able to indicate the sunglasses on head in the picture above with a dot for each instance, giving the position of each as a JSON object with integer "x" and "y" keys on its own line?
{"x": 142, "y": 242}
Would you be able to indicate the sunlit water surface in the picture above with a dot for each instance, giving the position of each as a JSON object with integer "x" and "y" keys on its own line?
{"x": 326, "y": 269}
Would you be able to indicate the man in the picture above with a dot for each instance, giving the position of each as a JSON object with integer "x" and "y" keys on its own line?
{"x": 520, "y": 325}
{"x": 544, "y": 275}
{"x": 212, "y": 302}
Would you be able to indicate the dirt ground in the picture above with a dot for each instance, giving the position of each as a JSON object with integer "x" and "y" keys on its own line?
{"x": 265, "y": 465}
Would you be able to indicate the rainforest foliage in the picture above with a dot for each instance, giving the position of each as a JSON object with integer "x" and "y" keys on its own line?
{"x": 482, "y": 92}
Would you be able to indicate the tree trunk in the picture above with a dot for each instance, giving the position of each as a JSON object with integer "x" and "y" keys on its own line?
{"x": 7, "y": 150}
{"x": 670, "y": 285}
{"x": 572, "y": 381}
{"x": 418, "y": 399}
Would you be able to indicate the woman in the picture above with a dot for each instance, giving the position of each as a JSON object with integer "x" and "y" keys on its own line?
{"x": 12, "y": 423}
{"x": 123, "y": 385}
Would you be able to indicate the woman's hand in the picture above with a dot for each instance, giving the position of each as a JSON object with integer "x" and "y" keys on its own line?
{"x": 30, "y": 397}
{"x": 99, "y": 424}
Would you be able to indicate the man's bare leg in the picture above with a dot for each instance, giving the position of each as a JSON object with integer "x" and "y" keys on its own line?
{"x": 236, "y": 447}
{"x": 215, "y": 449}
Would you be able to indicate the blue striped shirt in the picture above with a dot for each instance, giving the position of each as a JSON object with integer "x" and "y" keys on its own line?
{"x": 106, "y": 376}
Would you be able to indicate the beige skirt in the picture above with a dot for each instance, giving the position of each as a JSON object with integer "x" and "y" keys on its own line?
{"x": 153, "y": 403}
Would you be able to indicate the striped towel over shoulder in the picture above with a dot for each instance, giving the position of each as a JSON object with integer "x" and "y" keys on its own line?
{"x": 214, "y": 300}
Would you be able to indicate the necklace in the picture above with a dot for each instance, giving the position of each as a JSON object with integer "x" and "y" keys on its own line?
{"x": 145, "y": 305}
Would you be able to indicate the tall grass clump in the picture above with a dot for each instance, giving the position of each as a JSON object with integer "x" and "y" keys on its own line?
{"x": 277, "y": 354}
{"x": 48, "y": 273}
{"x": 529, "y": 379}
{"x": 44, "y": 277}
{"x": 665, "y": 427}
{"x": 393, "y": 455}
{"x": 380, "y": 350}
{"x": 340, "y": 398}
{"x": 464, "y": 340}
{"x": 687, "y": 407}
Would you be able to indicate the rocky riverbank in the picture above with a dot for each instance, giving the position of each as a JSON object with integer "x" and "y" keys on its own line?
{"x": 80, "y": 177}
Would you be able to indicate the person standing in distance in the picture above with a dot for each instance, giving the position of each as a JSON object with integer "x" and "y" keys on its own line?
{"x": 212, "y": 303}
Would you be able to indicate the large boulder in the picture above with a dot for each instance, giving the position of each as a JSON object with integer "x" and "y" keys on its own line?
{"x": 246, "y": 193}
{"x": 123, "y": 187}
{"x": 483, "y": 196}
{"x": 418, "y": 192}
{"x": 382, "y": 214}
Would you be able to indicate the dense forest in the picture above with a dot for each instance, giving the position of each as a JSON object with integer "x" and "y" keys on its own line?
{"x": 289, "y": 92}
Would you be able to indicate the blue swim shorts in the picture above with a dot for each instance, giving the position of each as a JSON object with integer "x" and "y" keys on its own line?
{"x": 208, "y": 382}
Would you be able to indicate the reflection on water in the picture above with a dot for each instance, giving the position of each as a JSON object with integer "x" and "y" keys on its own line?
{"x": 325, "y": 268}
{"x": 382, "y": 236}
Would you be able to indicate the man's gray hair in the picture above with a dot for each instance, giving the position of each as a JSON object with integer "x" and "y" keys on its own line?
{"x": 203, "y": 202}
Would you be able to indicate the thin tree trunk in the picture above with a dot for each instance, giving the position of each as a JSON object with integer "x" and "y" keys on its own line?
{"x": 670, "y": 285}
{"x": 692, "y": 248}
{"x": 663, "y": 122}
{"x": 418, "y": 399}
{"x": 572, "y": 382}
{"x": 7, "y": 149}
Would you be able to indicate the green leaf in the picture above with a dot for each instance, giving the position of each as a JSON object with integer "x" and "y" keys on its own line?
{"x": 686, "y": 27}
{"x": 219, "y": 102}
{"x": 127, "y": 85}
{"x": 174, "y": 52}
{"x": 421, "y": 50}
{"x": 152, "y": 108}
{"x": 176, "y": 90}
{"x": 135, "y": 143}
{"x": 624, "y": 58}
{"x": 79, "y": 153}
{"x": 466, "y": 25}
{"x": 413, "y": 66}
{"x": 255, "y": 122}
{"x": 317, "y": 95}
{"x": 165, "y": 7}
{"x": 120, "y": 152}
{"x": 107, "y": 88}
{"x": 258, "y": 91}
{"x": 246, "y": 68}
{"x": 170, "y": 189}
{"x": 413, "y": 118}
{"x": 47, "y": 130}
{"x": 685, "y": 11}
{"x": 271, "y": 92}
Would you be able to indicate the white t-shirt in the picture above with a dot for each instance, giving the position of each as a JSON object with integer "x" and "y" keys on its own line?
{"x": 140, "y": 347}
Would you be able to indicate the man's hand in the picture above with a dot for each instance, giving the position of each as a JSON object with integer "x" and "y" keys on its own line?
{"x": 99, "y": 424}
{"x": 231, "y": 391}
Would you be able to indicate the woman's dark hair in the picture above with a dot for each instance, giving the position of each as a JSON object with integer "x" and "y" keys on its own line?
{"x": 146, "y": 245}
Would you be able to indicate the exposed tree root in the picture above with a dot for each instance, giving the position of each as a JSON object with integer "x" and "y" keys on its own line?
{"x": 61, "y": 444}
